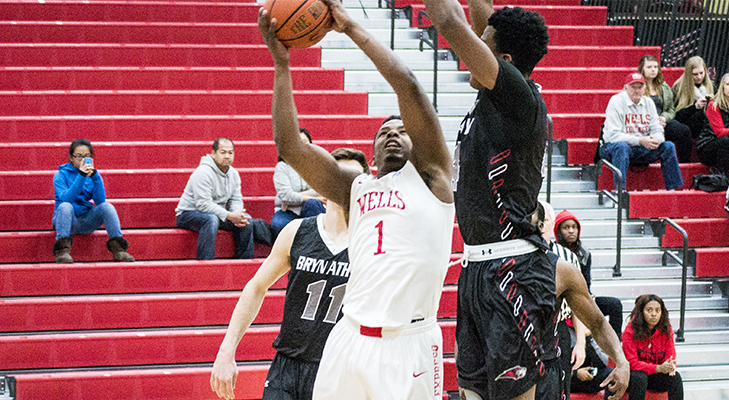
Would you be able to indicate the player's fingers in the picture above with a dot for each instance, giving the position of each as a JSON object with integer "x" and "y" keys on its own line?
{"x": 228, "y": 389}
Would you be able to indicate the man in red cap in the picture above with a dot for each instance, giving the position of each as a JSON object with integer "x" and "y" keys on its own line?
{"x": 632, "y": 133}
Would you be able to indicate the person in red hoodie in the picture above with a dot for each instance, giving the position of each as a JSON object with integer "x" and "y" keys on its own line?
{"x": 567, "y": 230}
{"x": 649, "y": 347}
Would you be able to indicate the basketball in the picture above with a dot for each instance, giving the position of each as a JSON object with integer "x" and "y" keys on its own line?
{"x": 299, "y": 23}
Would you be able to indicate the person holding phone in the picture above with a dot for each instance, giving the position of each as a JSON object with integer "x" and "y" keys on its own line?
{"x": 692, "y": 93}
{"x": 76, "y": 184}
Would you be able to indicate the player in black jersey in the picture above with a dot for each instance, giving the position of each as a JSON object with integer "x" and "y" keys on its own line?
{"x": 506, "y": 291}
{"x": 314, "y": 253}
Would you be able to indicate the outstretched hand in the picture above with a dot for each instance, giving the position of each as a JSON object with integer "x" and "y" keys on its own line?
{"x": 223, "y": 377}
{"x": 340, "y": 18}
{"x": 620, "y": 377}
{"x": 267, "y": 26}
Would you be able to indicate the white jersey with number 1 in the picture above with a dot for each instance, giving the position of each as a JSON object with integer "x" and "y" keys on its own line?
{"x": 400, "y": 246}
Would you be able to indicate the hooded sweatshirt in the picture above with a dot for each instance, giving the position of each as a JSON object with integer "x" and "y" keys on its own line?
{"x": 646, "y": 355}
{"x": 73, "y": 187}
{"x": 209, "y": 190}
{"x": 584, "y": 255}
{"x": 626, "y": 121}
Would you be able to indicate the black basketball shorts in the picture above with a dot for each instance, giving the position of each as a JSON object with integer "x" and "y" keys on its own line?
{"x": 505, "y": 307}
{"x": 290, "y": 379}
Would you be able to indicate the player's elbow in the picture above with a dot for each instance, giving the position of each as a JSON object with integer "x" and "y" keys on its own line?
{"x": 407, "y": 85}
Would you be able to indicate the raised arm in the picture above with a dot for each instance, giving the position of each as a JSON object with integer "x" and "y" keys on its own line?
{"x": 225, "y": 370}
{"x": 430, "y": 154}
{"x": 572, "y": 287}
{"x": 450, "y": 21}
{"x": 313, "y": 163}
{"x": 479, "y": 12}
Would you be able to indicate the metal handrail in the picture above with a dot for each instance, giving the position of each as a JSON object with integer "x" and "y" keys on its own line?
{"x": 684, "y": 262}
{"x": 391, "y": 5}
{"x": 550, "y": 140}
{"x": 432, "y": 42}
{"x": 617, "y": 177}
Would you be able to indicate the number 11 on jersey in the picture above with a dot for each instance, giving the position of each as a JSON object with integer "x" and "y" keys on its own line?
{"x": 379, "y": 238}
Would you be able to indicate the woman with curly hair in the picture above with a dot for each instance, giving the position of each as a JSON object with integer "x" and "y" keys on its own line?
{"x": 658, "y": 90}
{"x": 692, "y": 92}
{"x": 649, "y": 347}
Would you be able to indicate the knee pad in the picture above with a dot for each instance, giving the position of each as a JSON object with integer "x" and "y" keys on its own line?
{"x": 466, "y": 394}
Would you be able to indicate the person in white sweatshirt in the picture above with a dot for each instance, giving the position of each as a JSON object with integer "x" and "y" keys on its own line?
{"x": 212, "y": 200}
{"x": 632, "y": 133}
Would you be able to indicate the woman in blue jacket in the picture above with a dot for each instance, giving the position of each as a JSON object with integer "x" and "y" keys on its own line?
{"x": 77, "y": 183}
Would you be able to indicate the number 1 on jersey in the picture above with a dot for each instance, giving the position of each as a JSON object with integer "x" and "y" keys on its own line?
{"x": 379, "y": 238}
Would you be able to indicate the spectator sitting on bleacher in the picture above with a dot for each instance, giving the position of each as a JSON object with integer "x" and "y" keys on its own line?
{"x": 567, "y": 356}
{"x": 633, "y": 133}
{"x": 649, "y": 347}
{"x": 713, "y": 144}
{"x": 567, "y": 230}
{"x": 692, "y": 92}
{"x": 658, "y": 90}
{"x": 212, "y": 200}
{"x": 588, "y": 376}
{"x": 77, "y": 183}
{"x": 294, "y": 197}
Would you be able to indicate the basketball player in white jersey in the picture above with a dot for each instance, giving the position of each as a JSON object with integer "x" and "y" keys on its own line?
{"x": 388, "y": 344}
{"x": 300, "y": 247}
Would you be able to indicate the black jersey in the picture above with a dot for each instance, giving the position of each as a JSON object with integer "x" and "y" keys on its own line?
{"x": 498, "y": 160}
{"x": 317, "y": 281}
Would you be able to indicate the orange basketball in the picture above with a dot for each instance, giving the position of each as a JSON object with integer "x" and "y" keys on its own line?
{"x": 300, "y": 23}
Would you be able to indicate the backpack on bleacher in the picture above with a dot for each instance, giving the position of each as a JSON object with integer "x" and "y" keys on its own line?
{"x": 710, "y": 183}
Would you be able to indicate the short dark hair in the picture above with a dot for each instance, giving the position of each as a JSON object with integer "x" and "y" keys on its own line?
{"x": 217, "y": 141}
{"x": 390, "y": 118}
{"x": 344, "y": 153}
{"x": 301, "y": 130}
{"x": 521, "y": 34}
{"x": 80, "y": 142}
{"x": 306, "y": 132}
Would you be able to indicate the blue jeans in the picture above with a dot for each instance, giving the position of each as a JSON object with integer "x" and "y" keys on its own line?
{"x": 620, "y": 154}
{"x": 207, "y": 225}
{"x": 66, "y": 223}
{"x": 310, "y": 208}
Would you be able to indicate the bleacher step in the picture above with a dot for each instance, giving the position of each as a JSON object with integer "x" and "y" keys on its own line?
{"x": 664, "y": 288}
{"x": 629, "y": 242}
{"x": 639, "y": 272}
{"x": 703, "y": 390}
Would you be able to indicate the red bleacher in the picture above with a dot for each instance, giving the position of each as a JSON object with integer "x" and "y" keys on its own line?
{"x": 147, "y": 55}
{"x": 163, "y": 78}
{"x": 151, "y": 84}
{"x": 649, "y": 179}
{"x": 553, "y": 15}
{"x": 109, "y": 128}
{"x": 132, "y": 154}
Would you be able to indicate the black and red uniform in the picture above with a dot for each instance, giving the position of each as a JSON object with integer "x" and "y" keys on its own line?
{"x": 506, "y": 297}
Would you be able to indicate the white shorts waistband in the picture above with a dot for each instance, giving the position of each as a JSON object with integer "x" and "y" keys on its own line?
{"x": 492, "y": 251}
{"x": 408, "y": 329}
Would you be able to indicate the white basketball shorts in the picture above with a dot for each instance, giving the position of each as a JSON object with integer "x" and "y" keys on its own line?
{"x": 363, "y": 363}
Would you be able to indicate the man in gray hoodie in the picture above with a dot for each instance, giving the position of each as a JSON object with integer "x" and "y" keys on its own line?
{"x": 632, "y": 134}
{"x": 212, "y": 200}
